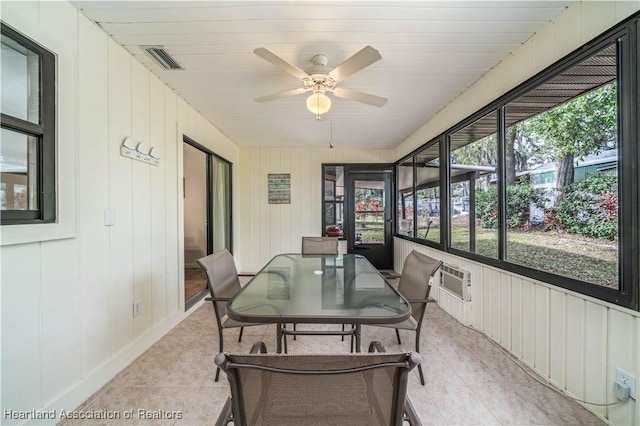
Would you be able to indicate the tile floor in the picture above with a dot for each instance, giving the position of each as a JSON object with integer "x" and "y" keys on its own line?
{"x": 469, "y": 380}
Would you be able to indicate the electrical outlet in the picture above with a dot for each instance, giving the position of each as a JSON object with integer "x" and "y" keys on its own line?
{"x": 625, "y": 378}
{"x": 136, "y": 309}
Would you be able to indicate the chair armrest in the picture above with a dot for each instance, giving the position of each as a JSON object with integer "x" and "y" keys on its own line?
{"x": 217, "y": 299}
{"x": 419, "y": 300}
{"x": 376, "y": 346}
{"x": 258, "y": 347}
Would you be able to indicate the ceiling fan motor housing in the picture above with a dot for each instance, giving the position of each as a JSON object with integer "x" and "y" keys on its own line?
{"x": 319, "y": 73}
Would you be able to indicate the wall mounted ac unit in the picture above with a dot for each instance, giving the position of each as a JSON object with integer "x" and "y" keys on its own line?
{"x": 457, "y": 281}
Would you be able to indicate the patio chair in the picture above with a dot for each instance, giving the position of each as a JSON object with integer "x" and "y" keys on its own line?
{"x": 415, "y": 286}
{"x": 318, "y": 246}
{"x": 223, "y": 283}
{"x": 406, "y": 227}
{"x": 318, "y": 389}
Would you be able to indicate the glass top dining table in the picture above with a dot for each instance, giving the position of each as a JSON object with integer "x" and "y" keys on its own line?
{"x": 322, "y": 289}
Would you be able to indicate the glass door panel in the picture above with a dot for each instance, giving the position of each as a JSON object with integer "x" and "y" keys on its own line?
{"x": 369, "y": 213}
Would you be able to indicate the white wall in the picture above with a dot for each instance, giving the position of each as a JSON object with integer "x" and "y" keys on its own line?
{"x": 573, "y": 340}
{"x": 68, "y": 288}
{"x": 268, "y": 229}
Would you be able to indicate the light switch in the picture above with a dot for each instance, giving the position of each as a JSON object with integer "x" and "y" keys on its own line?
{"x": 109, "y": 217}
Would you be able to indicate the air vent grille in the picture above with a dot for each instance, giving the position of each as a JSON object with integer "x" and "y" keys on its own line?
{"x": 163, "y": 58}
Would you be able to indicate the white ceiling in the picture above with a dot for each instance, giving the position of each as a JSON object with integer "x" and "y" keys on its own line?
{"x": 431, "y": 52}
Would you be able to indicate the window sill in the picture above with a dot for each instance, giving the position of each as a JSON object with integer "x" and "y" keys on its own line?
{"x": 31, "y": 233}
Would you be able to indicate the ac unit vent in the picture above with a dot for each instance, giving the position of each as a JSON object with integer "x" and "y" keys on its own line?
{"x": 162, "y": 57}
{"x": 457, "y": 281}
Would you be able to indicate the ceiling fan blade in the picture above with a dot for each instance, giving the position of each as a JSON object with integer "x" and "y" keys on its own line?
{"x": 354, "y": 95}
{"x": 292, "y": 92}
{"x": 276, "y": 60}
{"x": 357, "y": 62}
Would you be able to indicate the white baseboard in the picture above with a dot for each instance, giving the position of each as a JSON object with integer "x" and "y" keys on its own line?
{"x": 100, "y": 376}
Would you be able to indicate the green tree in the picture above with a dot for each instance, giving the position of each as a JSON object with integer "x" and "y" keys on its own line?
{"x": 482, "y": 152}
{"x": 581, "y": 126}
{"x": 518, "y": 150}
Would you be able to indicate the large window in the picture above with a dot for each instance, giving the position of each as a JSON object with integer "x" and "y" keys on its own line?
{"x": 562, "y": 173}
{"x": 27, "y": 152}
{"x": 544, "y": 182}
{"x": 473, "y": 165}
{"x": 418, "y": 195}
{"x": 428, "y": 193}
{"x": 405, "y": 206}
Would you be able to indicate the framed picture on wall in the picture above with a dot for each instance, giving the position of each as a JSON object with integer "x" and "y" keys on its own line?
{"x": 279, "y": 185}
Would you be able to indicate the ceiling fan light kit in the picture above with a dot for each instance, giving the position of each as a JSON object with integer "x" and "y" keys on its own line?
{"x": 319, "y": 79}
{"x": 318, "y": 103}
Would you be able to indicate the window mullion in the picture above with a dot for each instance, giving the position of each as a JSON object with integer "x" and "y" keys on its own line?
{"x": 22, "y": 126}
{"x": 502, "y": 189}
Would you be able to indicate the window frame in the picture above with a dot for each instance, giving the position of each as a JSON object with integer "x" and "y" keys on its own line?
{"x": 333, "y": 202}
{"x": 396, "y": 218}
{"x": 626, "y": 35}
{"x": 44, "y": 132}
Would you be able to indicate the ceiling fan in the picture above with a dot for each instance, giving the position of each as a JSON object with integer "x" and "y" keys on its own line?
{"x": 320, "y": 79}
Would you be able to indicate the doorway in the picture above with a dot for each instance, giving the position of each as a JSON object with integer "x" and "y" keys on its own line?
{"x": 207, "y": 213}
{"x": 369, "y": 227}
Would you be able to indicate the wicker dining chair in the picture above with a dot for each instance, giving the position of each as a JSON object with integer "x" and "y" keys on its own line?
{"x": 414, "y": 285}
{"x": 318, "y": 389}
{"x": 223, "y": 283}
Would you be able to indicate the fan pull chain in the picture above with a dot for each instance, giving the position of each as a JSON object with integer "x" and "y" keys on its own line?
{"x": 331, "y": 130}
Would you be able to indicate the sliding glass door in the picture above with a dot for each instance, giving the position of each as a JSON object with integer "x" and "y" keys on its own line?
{"x": 207, "y": 213}
{"x": 221, "y": 204}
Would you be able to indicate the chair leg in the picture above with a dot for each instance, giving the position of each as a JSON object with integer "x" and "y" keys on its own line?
{"x": 418, "y": 350}
{"x": 421, "y": 375}
{"x": 221, "y": 346}
{"x": 279, "y": 336}
{"x": 343, "y": 334}
{"x": 294, "y": 337}
{"x": 410, "y": 413}
{"x": 240, "y": 337}
{"x": 226, "y": 414}
{"x": 398, "y": 336}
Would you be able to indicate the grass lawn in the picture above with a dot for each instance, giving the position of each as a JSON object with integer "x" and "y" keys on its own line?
{"x": 586, "y": 259}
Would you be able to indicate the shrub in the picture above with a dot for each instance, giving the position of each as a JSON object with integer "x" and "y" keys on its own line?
{"x": 590, "y": 207}
{"x": 551, "y": 220}
{"x": 486, "y": 207}
{"x": 520, "y": 196}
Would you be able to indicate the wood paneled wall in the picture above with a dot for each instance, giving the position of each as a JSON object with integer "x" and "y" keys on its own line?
{"x": 67, "y": 303}
{"x": 573, "y": 341}
{"x": 264, "y": 229}
{"x": 68, "y": 288}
